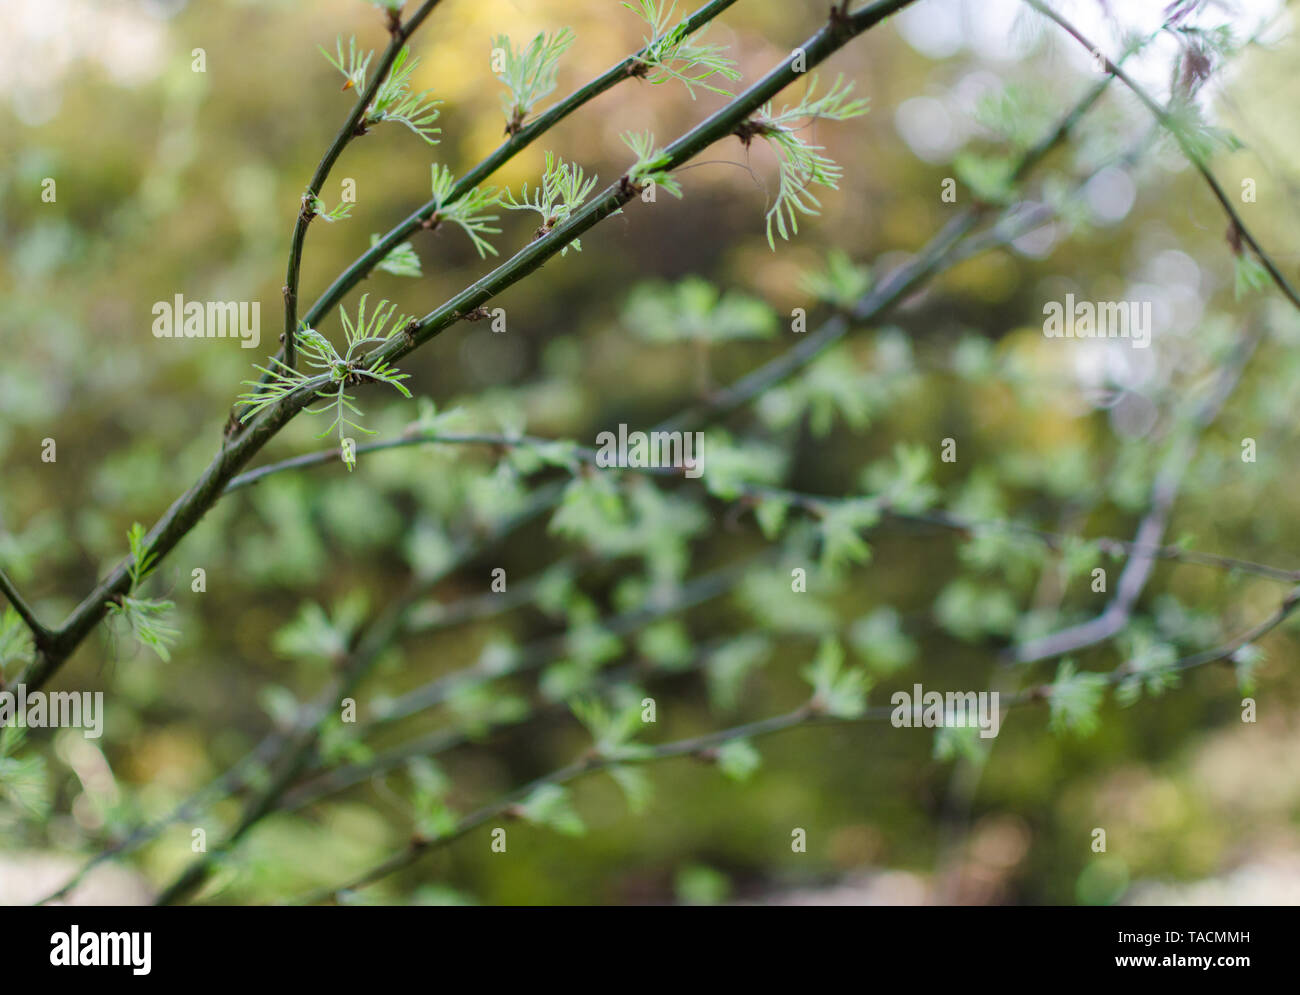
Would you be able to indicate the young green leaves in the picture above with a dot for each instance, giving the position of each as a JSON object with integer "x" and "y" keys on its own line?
{"x": 23, "y": 781}
{"x": 339, "y": 212}
{"x": 430, "y": 787}
{"x": 837, "y": 691}
{"x": 468, "y": 211}
{"x": 1074, "y": 699}
{"x": 529, "y": 73}
{"x": 549, "y": 805}
{"x": 394, "y": 100}
{"x": 674, "y": 54}
{"x": 15, "y": 640}
{"x": 314, "y": 635}
{"x": 694, "y": 310}
{"x": 400, "y": 261}
{"x": 613, "y": 726}
{"x": 841, "y": 283}
{"x": 651, "y": 164}
{"x": 800, "y": 162}
{"x": 352, "y": 64}
{"x": 338, "y": 371}
{"x": 146, "y": 618}
{"x": 561, "y": 192}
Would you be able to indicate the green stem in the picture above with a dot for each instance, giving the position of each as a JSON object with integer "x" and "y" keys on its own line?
{"x": 400, "y": 32}
{"x": 40, "y": 634}
{"x": 504, "y": 152}
{"x": 839, "y": 31}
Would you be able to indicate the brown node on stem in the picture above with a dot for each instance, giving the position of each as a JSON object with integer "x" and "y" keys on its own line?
{"x": 839, "y": 18}
{"x": 1195, "y": 69}
{"x": 1233, "y": 235}
{"x": 752, "y": 128}
{"x": 515, "y": 123}
{"x": 478, "y": 314}
{"x": 637, "y": 69}
{"x": 232, "y": 424}
{"x": 394, "y": 22}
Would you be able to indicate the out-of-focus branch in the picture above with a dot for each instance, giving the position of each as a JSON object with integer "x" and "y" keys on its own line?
{"x": 693, "y": 593}
{"x": 812, "y": 503}
{"x": 589, "y": 764}
{"x": 1237, "y": 229}
{"x": 1133, "y": 578}
{"x": 240, "y": 775}
{"x": 703, "y": 747}
{"x": 372, "y": 644}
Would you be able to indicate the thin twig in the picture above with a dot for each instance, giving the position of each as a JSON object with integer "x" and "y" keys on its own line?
{"x": 1133, "y": 578}
{"x": 1238, "y": 226}
{"x": 503, "y": 153}
{"x": 40, "y": 634}
{"x": 702, "y": 746}
{"x": 400, "y": 33}
{"x": 371, "y": 646}
{"x": 814, "y": 503}
{"x": 838, "y": 32}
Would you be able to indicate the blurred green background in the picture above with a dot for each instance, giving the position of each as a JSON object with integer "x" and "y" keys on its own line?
{"x": 171, "y": 181}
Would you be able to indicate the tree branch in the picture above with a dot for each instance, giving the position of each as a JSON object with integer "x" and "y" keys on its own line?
{"x": 838, "y": 32}
{"x": 400, "y": 33}
{"x": 353, "y": 670}
{"x": 701, "y": 746}
{"x": 1145, "y": 546}
{"x": 40, "y": 634}
{"x": 188, "y": 509}
{"x": 504, "y": 152}
{"x": 1237, "y": 224}
{"x": 1164, "y": 492}
{"x": 590, "y": 764}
